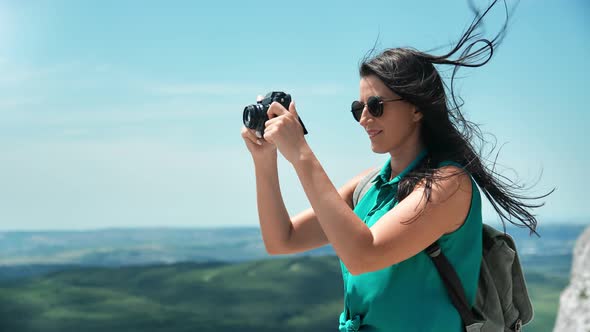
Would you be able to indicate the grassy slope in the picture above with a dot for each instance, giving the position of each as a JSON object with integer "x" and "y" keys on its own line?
{"x": 303, "y": 294}
{"x": 254, "y": 296}
{"x": 544, "y": 290}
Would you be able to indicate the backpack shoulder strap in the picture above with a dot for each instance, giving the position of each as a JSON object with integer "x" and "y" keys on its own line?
{"x": 453, "y": 284}
{"x": 363, "y": 186}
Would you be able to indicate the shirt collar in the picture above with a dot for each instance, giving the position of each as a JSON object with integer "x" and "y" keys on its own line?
{"x": 385, "y": 174}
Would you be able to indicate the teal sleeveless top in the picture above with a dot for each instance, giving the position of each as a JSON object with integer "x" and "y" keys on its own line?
{"x": 410, "y": 295}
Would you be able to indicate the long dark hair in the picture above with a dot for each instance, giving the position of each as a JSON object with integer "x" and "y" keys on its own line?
{"x": 446, "y": 134}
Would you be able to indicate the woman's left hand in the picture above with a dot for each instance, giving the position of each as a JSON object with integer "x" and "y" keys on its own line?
{"x": 285, "y": 132}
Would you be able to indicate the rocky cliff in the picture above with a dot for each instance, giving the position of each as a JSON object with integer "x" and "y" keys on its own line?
{"x": 574, "y": 303}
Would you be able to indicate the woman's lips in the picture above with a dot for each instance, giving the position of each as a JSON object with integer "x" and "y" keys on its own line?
{"x": 373, "y": 133}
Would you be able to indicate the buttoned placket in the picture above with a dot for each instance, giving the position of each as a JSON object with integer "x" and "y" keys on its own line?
{"x": 385, "y": 196}
{"x": 353, "y": 321}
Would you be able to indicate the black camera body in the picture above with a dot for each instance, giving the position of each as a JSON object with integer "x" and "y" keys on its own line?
{"x": 255, "y": 116}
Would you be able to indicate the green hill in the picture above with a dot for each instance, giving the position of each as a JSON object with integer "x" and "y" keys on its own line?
{"x": 294, "y": 293}
{"x": 297, "y": 293}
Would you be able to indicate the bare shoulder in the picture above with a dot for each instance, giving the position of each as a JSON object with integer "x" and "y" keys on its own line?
{"x": 448, "y": 181}
{"x": 451, "y": 192}
{"x": 395, "y": 239}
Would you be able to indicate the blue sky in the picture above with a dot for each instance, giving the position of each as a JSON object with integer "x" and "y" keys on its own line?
{"x": 128, "y": 113}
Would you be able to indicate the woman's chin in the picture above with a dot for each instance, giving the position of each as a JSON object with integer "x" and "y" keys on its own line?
{"x": 377, "y": 149}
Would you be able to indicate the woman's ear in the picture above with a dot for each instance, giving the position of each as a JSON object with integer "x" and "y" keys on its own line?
{"x": 417, "y": 114}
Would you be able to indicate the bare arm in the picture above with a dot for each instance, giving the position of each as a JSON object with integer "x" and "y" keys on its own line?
{"x": 282, "y": 234}
{"x": 389, "y": 240}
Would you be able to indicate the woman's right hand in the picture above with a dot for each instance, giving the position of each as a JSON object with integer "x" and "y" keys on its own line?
{"x": 259, "y": 148}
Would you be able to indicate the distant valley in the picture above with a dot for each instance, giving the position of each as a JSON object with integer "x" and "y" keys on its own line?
{"x": 207, "y": 280}
{"x": 123, "y": 247}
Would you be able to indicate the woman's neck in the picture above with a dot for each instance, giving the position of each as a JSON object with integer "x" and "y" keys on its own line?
{"x": 402, "y": 157}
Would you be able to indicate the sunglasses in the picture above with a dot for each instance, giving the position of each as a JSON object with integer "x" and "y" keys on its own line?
{"x": 374, "y": 104}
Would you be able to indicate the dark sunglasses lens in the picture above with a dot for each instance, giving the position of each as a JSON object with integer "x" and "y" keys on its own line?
{"x": 374, "y": 106}
{"x": 357, "y": 109}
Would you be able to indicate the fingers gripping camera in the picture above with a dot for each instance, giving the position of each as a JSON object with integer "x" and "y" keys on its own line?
{"x": 255, "y": 115}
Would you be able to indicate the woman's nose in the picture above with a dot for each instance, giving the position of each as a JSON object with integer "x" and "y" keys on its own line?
{"x": 365, "y": 115}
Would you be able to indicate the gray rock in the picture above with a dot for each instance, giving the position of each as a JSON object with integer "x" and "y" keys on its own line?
{"x": 574, "y": 302}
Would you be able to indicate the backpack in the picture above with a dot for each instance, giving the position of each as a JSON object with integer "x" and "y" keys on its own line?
{"x": 502, "y": 301}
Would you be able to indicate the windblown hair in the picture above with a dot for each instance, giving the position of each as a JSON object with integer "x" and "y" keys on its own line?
{"x": 446, "y": 134}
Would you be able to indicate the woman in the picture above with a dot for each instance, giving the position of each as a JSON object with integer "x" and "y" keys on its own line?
{"x": 425, "y": 192}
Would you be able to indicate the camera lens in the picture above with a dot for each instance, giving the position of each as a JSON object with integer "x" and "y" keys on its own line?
{"x": 249, "y": 117}
{"x": 254, "y": 116}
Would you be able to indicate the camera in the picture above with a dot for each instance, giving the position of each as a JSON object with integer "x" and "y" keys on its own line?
{"x": 255, "y": 115}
